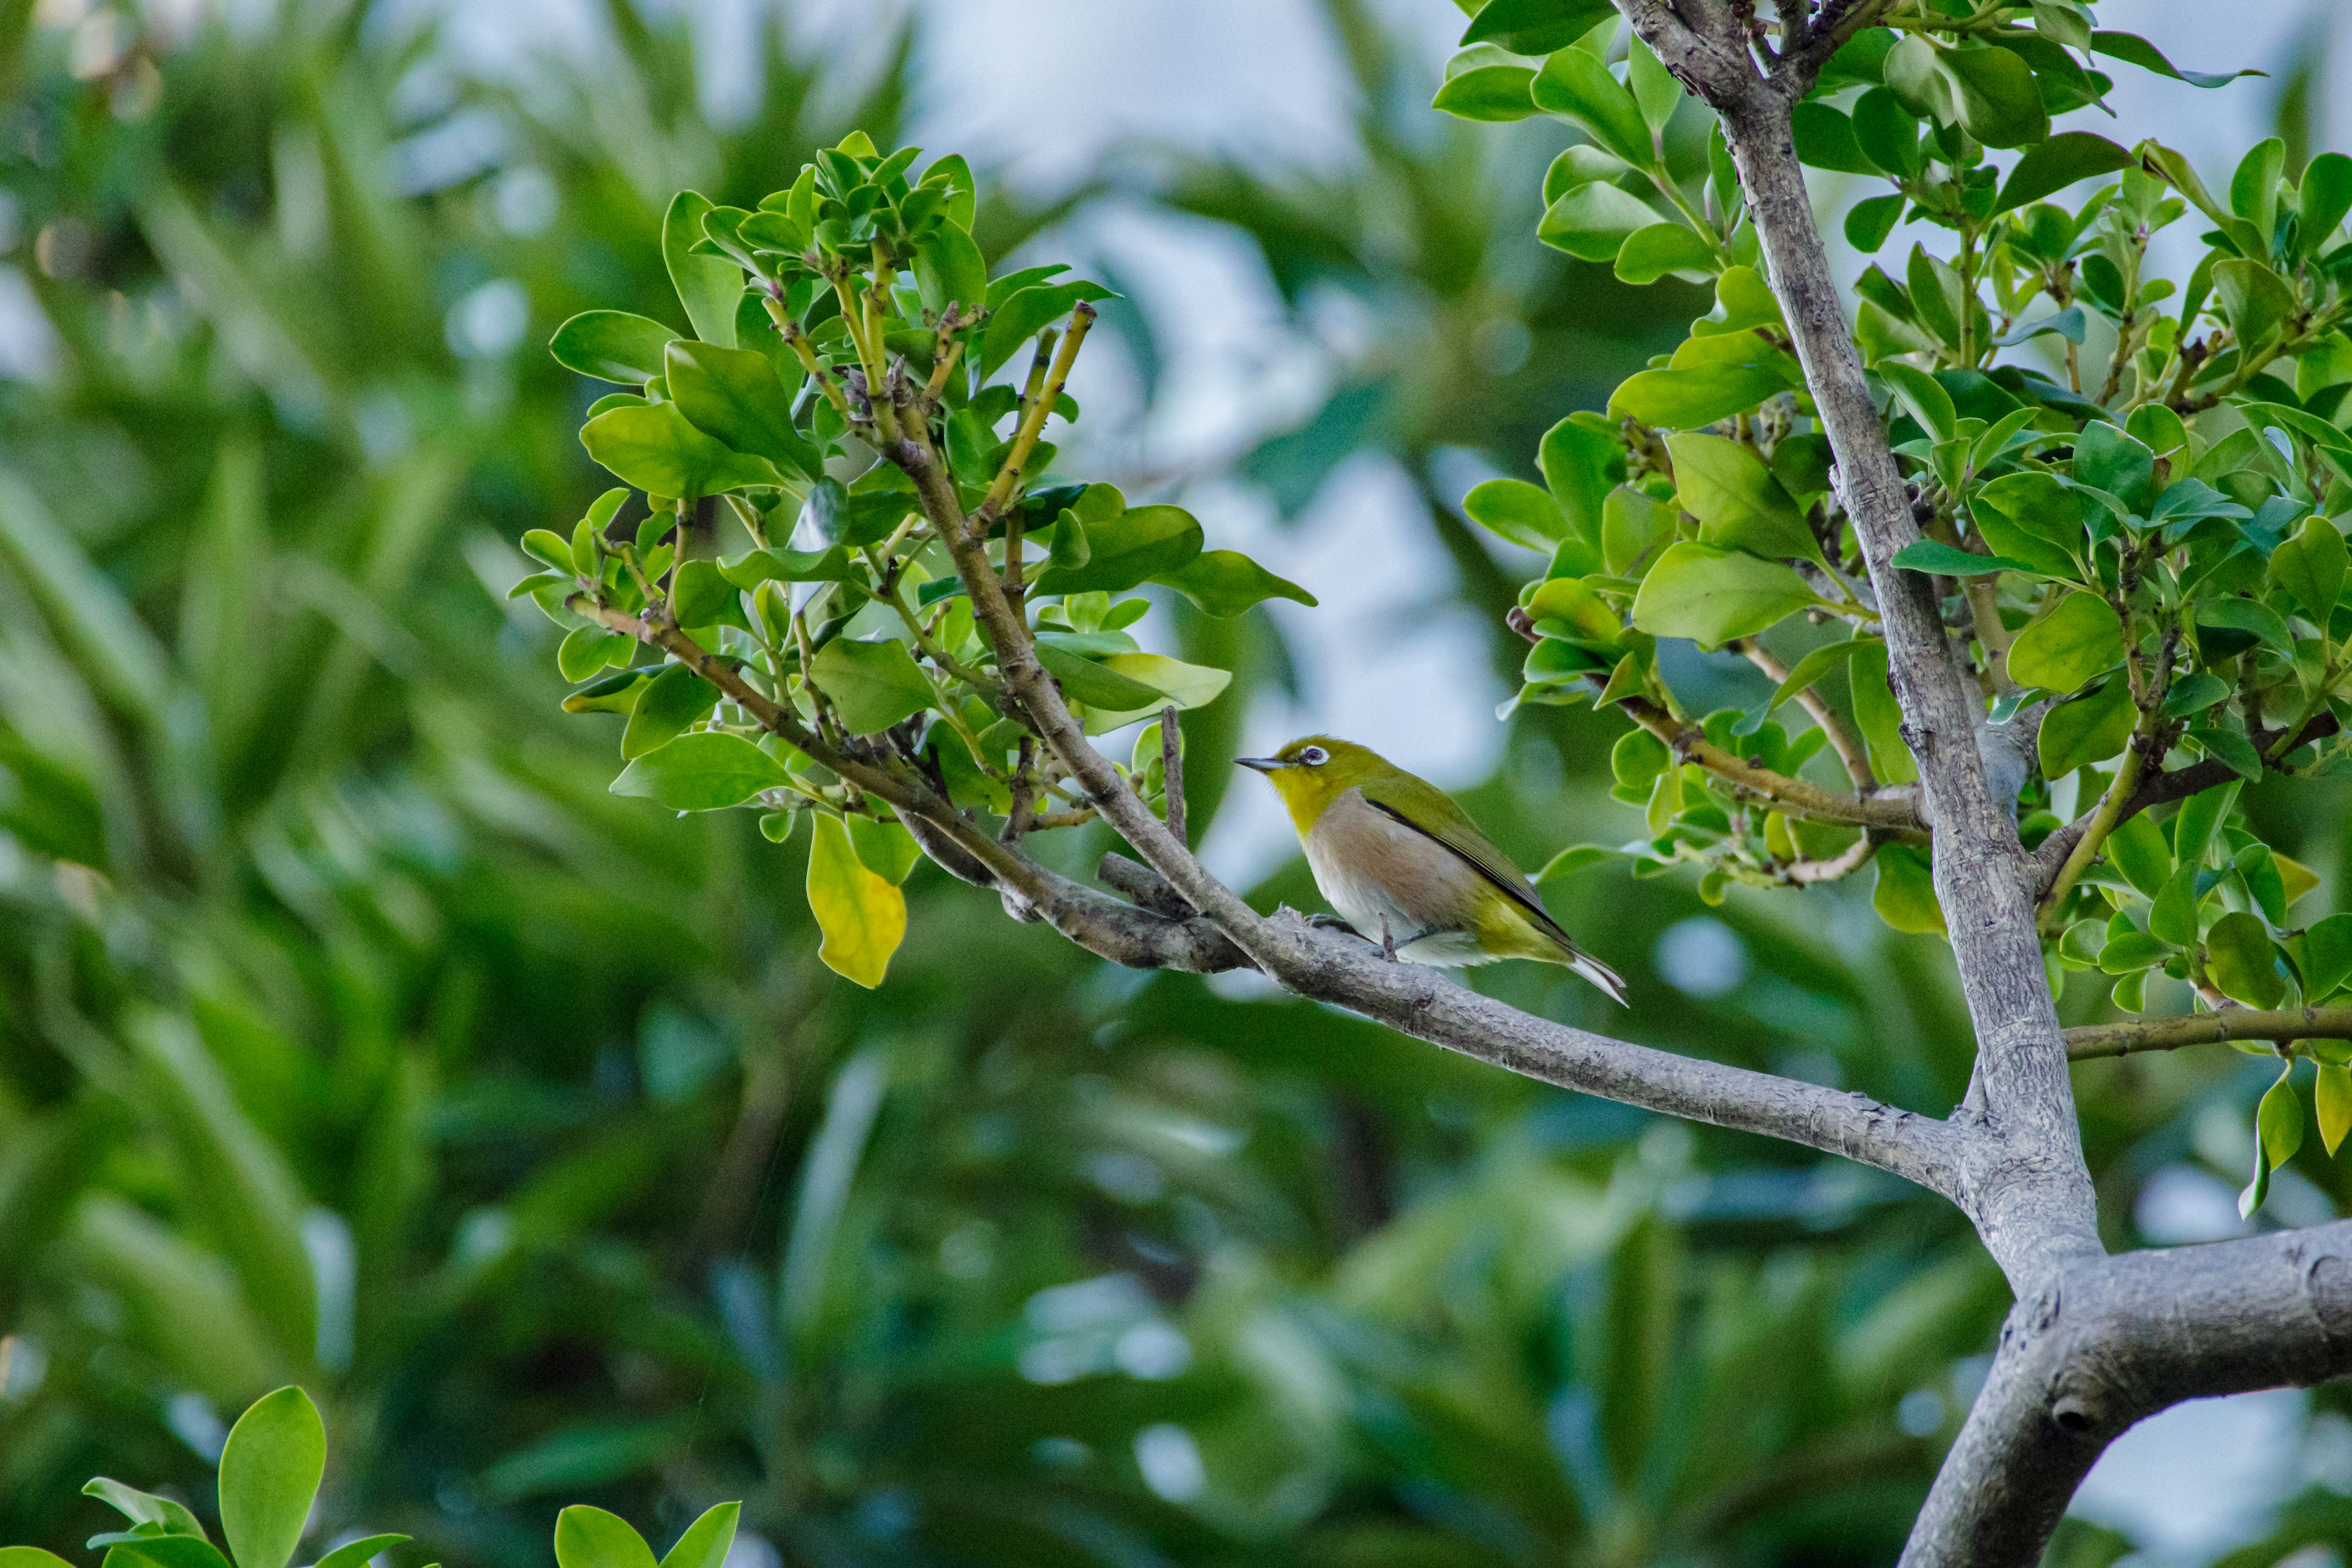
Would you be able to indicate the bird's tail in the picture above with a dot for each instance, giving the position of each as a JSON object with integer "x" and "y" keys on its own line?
{"x": 1582, "y": 962}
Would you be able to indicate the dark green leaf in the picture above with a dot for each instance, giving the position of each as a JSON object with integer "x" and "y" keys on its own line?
{"x": 677, "y": 699}
{"x": 2088, "y": 730}
{"x": 1535, "y": 27}
{"x": 872, "y": 685}
{"x": 1868, "y": 222}
{"x": 2133, "y": 49}
{"x": 736, "y": 396}
{"x": 1226, "y": 583}
{"x": 1126, "y": 551}
{"x": 2053, "y": 165}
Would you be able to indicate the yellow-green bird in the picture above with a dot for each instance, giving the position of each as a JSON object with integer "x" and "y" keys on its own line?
{"x": 1408, "y": 870}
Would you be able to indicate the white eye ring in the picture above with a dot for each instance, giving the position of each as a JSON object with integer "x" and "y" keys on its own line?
{"x": 1314, "y": 756}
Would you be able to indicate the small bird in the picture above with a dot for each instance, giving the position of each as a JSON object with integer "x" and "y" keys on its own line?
{"x": 1404, "y": 866}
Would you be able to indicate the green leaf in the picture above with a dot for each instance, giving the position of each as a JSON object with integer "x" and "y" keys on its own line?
{"x": 753, "y": 567}
{"x": 269, "y": 1475}
{"x": 1934, "y": 556}
{"x": 2326, "y": 196}
{"x": 1888, "y": 132}
{"x": 587, "y": 649}
{"x": 1879, "y": 716}
{"x": 885, "y": 848}
{"x": 30, "y": 1557}
{"x": 1904, "y": 897}
{"x": 1633, "y": 527}
{"x": 610, "y": 345}
{"x": 1737, "y": 501}
{"x": 699, "y": 595}
{"x": 706, "y": 1541}
{"x": 2311, "y": 566}
{"x": 2326, "y": 957}
{"x": 2332, "y": 1100}
{"x": 2050, "y": 166}
{"x": 1579, "y": 85}
{"x": 709, "y": 286}
{"x": 659, "y": 451}
{"x": 1226, "y": 583}
{"x": 1518, "y": 511}
{"x": 166, "y": 1515}
{"x": 2255, "y": 300}
{"x": 2139, "y": 852}
{"x": 1490, "y": 94}
{"x": 1593, "y": 221}
{"x": 2031, "y": 517}
{"x": 166, "y": 1551}
{"x": 2172, "y": 914}
{"x": 1027, "y": 312}
{"x": 1535, "y": 27}
{"x": 675, "y": 700}
{"x": 1868, "y": 222}
{"x": 2278, "y": 1133}
{"x": 2238, "y": 957}
{"x": 1127, "y": 551}
{"x": 2249, "y": 617}
{"x": 1567, "y": 863}
{"x": 355, "y": 1553}
{"x": 2199, "y": 818}
{"x": 950, "y": 269}
{"x": 2131, "y": 949}
{"x": 863, "y": 916}
{"x": 1580, "y": 466}
{"x": 2230, "y": 747}
{"x": 2108, "y": 460}
{"x": 1712, "y": 596}
{"x": 2087, "y": 730}
{"x": 590, "y": 1538}
{"x": 2079, "y": 639}
{"x": 1083, "y": 679}
{"x": 736, "y": 396}
{"x": 1814, "y": 665}
{"x": 1701, "y": 395}
{"x": 1994, "y": 93}
{"x": 1650, "y": 253}
{"x": 2134, "y": 50}
{"x": 1925, "y": 396}
{"x": 706, "y": 771}
{"x": 872, "y": 685}
{"x": 2258, "y": 867}
{"x": 1638, "y": 758}
{"x": 1174, "y": 680}
{"x": 1824, "y": 139}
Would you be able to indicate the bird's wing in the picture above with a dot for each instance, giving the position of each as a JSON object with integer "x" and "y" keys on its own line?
{"x": 1430, "y": 812}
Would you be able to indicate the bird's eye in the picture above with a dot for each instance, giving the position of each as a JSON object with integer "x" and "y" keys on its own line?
{"x": 1314, "y": 756}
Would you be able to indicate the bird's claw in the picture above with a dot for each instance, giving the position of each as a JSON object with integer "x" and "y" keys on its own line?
{"x": 1388, "y": 940}
{"x": 1333, "y": 922}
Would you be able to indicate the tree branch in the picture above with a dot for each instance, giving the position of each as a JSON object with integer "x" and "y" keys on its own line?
{"x": 2026, "y": 1187}
{"x": 2110, "y": 1341}
{"x": 2279, "y": 1024}
{"x": 1851, "y": 754}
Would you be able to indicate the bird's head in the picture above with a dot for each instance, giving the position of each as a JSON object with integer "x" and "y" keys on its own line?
{"x": 1314, "y": 771}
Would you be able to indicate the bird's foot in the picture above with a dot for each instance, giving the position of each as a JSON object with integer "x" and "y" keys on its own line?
{"x": 1388, "y": 940}
{"x": 1333, "y": 922}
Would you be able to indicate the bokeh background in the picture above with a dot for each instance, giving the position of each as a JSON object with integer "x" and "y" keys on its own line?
{"x": 351, "y": 1033}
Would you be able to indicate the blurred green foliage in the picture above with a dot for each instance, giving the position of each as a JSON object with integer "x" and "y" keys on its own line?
{"x": 351, "y": 1034}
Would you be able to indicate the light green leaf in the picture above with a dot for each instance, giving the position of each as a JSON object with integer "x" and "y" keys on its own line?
{"x": 753, "y": 567}
{"x": 1592, "y": 221}
{"x": 676, "y": 699}
{"x": 167, "y": 1515}
{"x": 269, "y": 1475}
{"x": 1577, "y": 85}
{"x": 2079, "y": 639}
{"x": 1125, "y": 551}
{"x": 1518, "y": 511}
{"x": 2238, "y": 957}
{"x": 2332, "y": 1100}
{"x": 736, "y": 396}
{"x": 2326, "y": 957}
{"x": 872, "y": 685}
{"x": 1226, "y": 583}
{"x": 1904, "y": 897}
{"x": 2139, "y": 852}
{"x": 1737, "y": 501}
{"x": 657, "y": 449}
{"x": 1951, "y": 561}
{"x": 2053, "y": 165}
{"x": 863, "y": 916}
{"x": 885, "y": 848}
{"x": 2087, "y": 730}
{"x": 1633, "y": 528}
{"x": 1534, "y": 26}
{"x": 1925, "y": 396}
{"x": 1879, "y": 716}
{"x": 356, "y": 1553}
{"x": 706, "y": 771}
{"x": 610, "y": 345}
{"x": 30, "y": 1557}
{"x": 1815, "y": 666}
{"x": 590, "y": 1538}
{"x": 1489, "y": 94}
{"x": 949, "y": 268}
{"x": 2198, "y": 820}
{"x": 1681, "y": 399}
{"x": 2278, "y": 1129}
{"x": 1650, "y": 253}
{"x": 2255, "y": 300}
{"x": 1712, "y": 596}
{"x": 1994, "y": 94}
{"x": 2172, "y": 914}
{"x": 709, "y": 286}
{"x": 706, "y": 1541}
{"x": 2310, "y": 566}
{"x": 1083, "y": 679}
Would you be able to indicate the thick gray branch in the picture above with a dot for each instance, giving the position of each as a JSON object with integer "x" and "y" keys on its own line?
{"x": 2110, "y": 1341}
{"x": 2025, "y": 1188}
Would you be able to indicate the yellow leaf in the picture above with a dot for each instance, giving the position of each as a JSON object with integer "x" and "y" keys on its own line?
{"x": 863, "y": 916}
{"x": 2335, "y": 1099}
{"x": 2299, "y": 877}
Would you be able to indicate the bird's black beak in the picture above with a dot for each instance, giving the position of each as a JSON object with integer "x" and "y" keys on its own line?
{"x": 1261, "y": 764}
